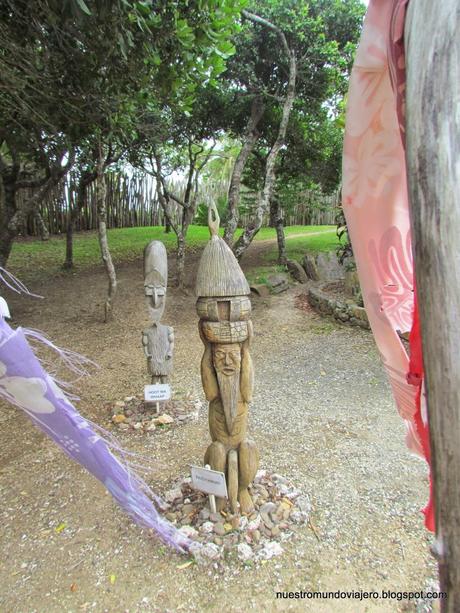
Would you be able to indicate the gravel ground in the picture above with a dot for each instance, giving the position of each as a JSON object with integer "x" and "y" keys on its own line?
{"x": 322, "y": 415}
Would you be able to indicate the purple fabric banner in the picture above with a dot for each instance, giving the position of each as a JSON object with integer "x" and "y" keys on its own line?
{"x": 24, "y": 383}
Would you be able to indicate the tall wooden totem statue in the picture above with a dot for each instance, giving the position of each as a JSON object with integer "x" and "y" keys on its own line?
{"x": 158, "y": 339}
{"x": 224, "y": 309}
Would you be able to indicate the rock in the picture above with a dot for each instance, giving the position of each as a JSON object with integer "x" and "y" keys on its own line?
{"x": 207, "y": 527}
{"x": 266, "y": 520}
{"x": 298, "y": 517}
{"x": 245, "y": 552}
{"x": 278, "y": 479}
{"x": 261, "y": 290}
{"x": 130, "y": 398}
{"x": 119, "y": 404}
{"x": 352, "y": 287}
{"x": 118, "y": 418}
{"x": 204, "y": 513}
{"x": 151, "y": 427}
{"x": 284, "y": 504}
{"x": 187, "y": 509}
{"x": 137, "y": 426}
{"x": 278, "y": 283}
{"x": 275, "y": 531}
{"x": 270, "y": 550}
{"x": 128, "y": 412}
{"x": 303, "y": 503}
{"x": 309, "y": 265}
{"x": 262, "y": 491}
{"x": 218, "y": 541}
{"x": 172, "y": 495}
{"x": 297, "y": 272}
{"x": 268, "y": 507}
{"x": 219, "y": 529}
{"x": 205, "y": 554}
{"x": 171, "y": 516}
{"x": 164, "y": 419}
{"x": 256, "y": 536}
{"x": 265, "y": 531}
{"x": 292, "y": 493}
{"x": 235, "y": 522}
{"x": 123, "y": 426}
{"x": 260, "y": 474}
{"x": 228, "y": 527}
{"x": 283, "y": 526}
{"x": 215, "y": 517}
{"x": 328, "y": 266}
{"x": 188, "y": 531}
{"x": 254, "y": 524}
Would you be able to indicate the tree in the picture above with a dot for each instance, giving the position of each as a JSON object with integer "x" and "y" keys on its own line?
{"x": 182, "y": 143}
{"x": 80, "y": 76}
{"x": 292, "y": 60}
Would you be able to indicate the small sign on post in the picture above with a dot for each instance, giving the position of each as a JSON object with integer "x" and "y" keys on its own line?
{"x": 158, "y": 392}
{"x": 209, "y": 481}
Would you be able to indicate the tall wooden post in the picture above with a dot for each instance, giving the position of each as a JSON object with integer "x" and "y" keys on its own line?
{"x": 433, "y": 155}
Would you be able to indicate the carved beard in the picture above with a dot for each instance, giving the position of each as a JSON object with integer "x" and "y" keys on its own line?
{"x": 229, "y": 389}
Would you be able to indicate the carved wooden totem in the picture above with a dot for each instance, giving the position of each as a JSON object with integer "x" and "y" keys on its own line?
{"x": 224, "y": 309}
{"x": 157, "y": 340}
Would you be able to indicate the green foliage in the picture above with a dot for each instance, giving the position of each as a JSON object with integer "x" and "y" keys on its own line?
{"x": 201, "y": 217}
{"x": 323, "y": 34}
{"x": 344, "y": 249}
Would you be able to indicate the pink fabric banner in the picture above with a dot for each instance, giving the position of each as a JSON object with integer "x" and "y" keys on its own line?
{"x": 376, "y": 207}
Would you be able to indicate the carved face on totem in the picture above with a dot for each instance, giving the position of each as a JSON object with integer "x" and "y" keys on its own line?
{"x": 155, "y": 294}
{"x": 155, "y": 279}
{"x": 227, "y": 358}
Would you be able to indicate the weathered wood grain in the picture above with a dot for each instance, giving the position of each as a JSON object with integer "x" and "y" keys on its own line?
{"x": 433, "y": 154}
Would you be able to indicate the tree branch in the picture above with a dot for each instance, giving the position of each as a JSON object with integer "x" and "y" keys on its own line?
{"x": 268, "y": 24}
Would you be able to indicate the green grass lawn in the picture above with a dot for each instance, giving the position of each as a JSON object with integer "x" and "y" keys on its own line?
{"x": 33, "y": 257}
{"x": 296, "y": 247}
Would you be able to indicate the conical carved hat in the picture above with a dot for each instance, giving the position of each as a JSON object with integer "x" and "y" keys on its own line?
{"x": 219, "y": 273}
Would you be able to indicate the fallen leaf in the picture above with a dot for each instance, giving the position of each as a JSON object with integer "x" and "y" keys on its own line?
{"x": 73, "y": 587}
{"x": 60, "y": 528}
{"x": 184, "y": 565}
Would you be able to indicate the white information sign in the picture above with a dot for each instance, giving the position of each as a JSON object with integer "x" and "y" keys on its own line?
{"x": 209, "y": 481}
{"x": 157, "y": 392}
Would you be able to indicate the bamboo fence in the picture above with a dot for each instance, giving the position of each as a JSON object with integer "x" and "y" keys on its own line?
{"x": 132, "y": 201}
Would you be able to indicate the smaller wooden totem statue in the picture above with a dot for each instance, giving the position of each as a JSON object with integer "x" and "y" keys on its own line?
{"x": 157, "y": 340}
{"x": 224, "y": 309}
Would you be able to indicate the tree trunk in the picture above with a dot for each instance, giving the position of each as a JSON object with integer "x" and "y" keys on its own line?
{"x": 86, "y": 179}
{"x": 263, "y": 199}
{"x": 41, "y": 226}
{"x": 277, "y": 221}
{"x": 250, "y": 139}
{"x": 180, "y": 260}
{"x": 433, "y": 153}
{"x": 103, "y": 242}
{"x": 68, "y": 264}
{"x": 7, "y": 210}
{"x": 6, "y": 244}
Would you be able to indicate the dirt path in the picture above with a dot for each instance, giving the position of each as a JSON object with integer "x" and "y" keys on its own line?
{"x": 322, "y": 415}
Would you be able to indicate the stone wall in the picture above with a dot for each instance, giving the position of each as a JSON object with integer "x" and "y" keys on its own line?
{"x": 345, "y": 311}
